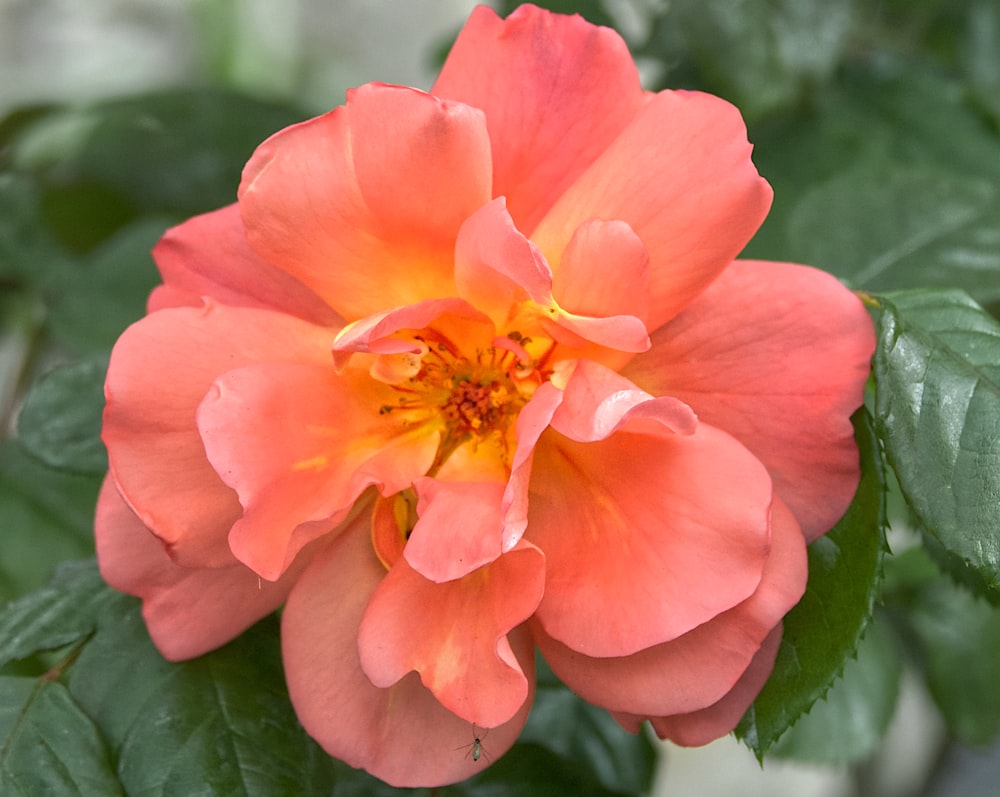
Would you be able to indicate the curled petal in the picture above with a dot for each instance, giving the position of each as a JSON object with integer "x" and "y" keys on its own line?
{"x": 641, "y": 543}
{"x": 372, "y": 193}
{"x": 400, "y": 734}
{"x": 533, "y": 419}
{"x": 777, "y": 355}
{"x": 496, "y": 266}
{"x": 458, "y": 530}
{"x": 161, "y": 368}
{"x": 455, "y": 634}
{"x": 374, "y": 334}
{"x": 321, "y": 444}
{"x": 701, "y": 668}
{"x": 188, "y": 611}
{"x": 208, "y": 255}
{"x": 681, "y": 177}
{"x": 536, "y": 75}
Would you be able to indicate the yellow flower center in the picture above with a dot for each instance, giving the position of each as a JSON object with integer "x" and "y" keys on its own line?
{"x": 470, "y": 398}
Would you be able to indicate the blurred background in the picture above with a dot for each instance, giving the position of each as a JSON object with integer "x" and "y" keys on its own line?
{"x": 120, "y": 117}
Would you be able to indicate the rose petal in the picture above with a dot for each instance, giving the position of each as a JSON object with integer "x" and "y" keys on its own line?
{"x": 161, "y": 368}
{"x": 458, "y": 529}
{"x": 364, "y": 204}
{"x": 496, "y": 266}
{"x": 188, "y": 611}
{"x": 536, "y": 75}
{"x": 319, "y": 443}
{"x": 700, "y": 668}
{"x": 401, "y": 734}
{"x": 714, "y": 722}
{"x": 777, "y": 355}
{"x": 208, "y": 255}
{"x": 641, "y": 543}
{"x": 680, "y": 175}
{"x": 455, "y": 634}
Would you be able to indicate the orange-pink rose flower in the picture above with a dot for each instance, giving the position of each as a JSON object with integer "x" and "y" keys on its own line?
{"x": 467, "y": 372}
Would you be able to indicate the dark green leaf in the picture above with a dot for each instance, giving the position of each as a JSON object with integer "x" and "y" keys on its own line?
{"x": 45, "y": 516}
{"x": 59, "y": 614}
{"x": 106, "y": 290}
{"x": 822, "y": 632}
{"x": 850, "y": 720}
{"x": 901, "y": 227}
{"x": 60, "y": 422}
{"x": 937, "y": 410}
{"x": 958, "y": 646}
{"x": 218, "y": 724}
{"x": 530, "y": 770}
{"x": 28, "y": 250}
{"x": 589, "y": 739}
{"x": 48, "y": 745}
{"x": 179, "y": 152}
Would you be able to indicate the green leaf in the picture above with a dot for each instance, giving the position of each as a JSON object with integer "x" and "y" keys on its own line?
{"x": 92, "y": 301}
{"x": 48, "y": 745}
{"x": 179, "y": 152}
{"x": 218, "y": 724}
{"x": 60, "y": 422}
{"x": 760, "y": 54}
{"x": 848, "y": 723}
{"x": 530, "y": 770}
{"x": 822, "y": 632}
{"x": 45, "y": 516}
{"x": 957, "y": 637}
{"x": 59, "y": 614}
{"x": 589, "y": 739}
{"x": 900, "y": 227}
{"x": 937, "y": 405}
{"x": 28, "y": 250}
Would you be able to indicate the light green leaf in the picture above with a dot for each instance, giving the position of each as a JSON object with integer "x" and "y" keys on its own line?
{"x": 902, "y": 227}
{"x": 937, "y": 411}
{"x": 48, "y": 745}
{"x": 822, "y": 632}
{"x": 60, "y": 422}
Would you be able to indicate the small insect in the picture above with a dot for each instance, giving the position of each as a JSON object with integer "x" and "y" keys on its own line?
{"x": 475, "y": 747}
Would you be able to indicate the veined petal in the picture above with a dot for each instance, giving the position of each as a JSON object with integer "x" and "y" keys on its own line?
{"x": 455, "y": 634}
{"x": 458, "y": 529}
{"x": 681, "y": 176}
{"x": 208, "y": 255}
{"x": 364, "y": 204}
{"x": 188, "y": 611}
{"x": 536, "y": 75}
{"x": 161, "y": 368}
{"x": 697, "y": 670}
{"x": 777, "y": 355}
{"x": 647, "y": 533}
{"x": 400, "y": 734}
{"x": 322, "y": 443}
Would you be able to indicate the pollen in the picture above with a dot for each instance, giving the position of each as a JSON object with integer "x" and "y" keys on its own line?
{"x": 470, "y": 398}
